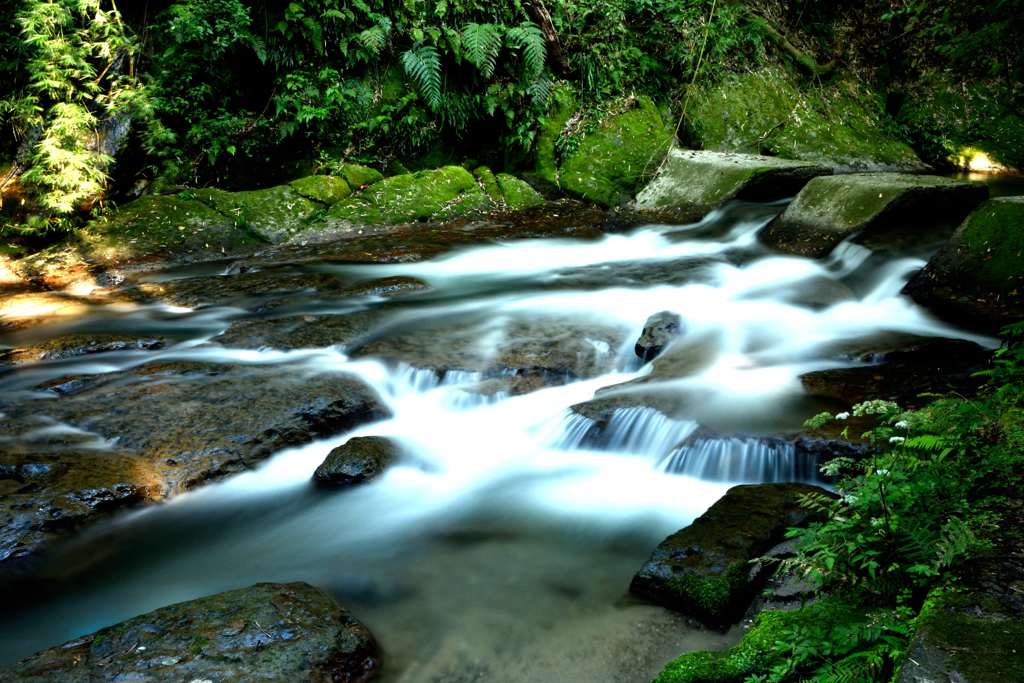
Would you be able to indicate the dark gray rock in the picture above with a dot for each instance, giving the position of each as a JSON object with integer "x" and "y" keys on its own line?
{"x": 357, "y": 461}
{"x": 659, "y": 331}
{"x": 267, "y": 632}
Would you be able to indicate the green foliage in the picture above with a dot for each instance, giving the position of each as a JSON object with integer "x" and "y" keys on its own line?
{"x": 422, "y": 65}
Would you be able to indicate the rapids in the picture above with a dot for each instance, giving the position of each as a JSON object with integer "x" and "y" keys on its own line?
{"x": 501, "y": 548}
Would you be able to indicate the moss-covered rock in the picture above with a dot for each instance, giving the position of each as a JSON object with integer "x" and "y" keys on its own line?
{"x": 325, "y": 189}
{"x": 266, "y": 632}
{"x": 489, "y": 183}
{"x": 437, "y": 194}
{"x": 832, "y": 208}
{"x": 979, "y": 275}
{"x": 274, "y": 214}
{"x": 516, "y": 194}
{"x": 607, "y": 163}
{"x": 704, "y": 570}
{"x": 358, "y": 176}
{"x": 770, "y": 112}
{"x": 551, "y": 131}
{"x": 697, "y": 181}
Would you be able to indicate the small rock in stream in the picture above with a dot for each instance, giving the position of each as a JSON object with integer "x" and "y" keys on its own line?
{"x": 659, "y": 331}
{"x": 357, "y": 461}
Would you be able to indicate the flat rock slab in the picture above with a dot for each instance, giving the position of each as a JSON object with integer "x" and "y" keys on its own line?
{"x": 978, "y": 276}
{"x": 267, "y": 632}
{"x": 697, "y": 181}
{"x": 704, "y": 570}
{"x": 832, "y": 208}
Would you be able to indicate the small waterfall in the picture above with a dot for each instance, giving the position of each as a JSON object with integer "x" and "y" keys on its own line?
{"x": 742, "y": 459}
{"x": 632, "y": 430}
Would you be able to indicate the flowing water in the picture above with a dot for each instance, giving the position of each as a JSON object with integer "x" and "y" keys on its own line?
{"x": 501, "y": 548}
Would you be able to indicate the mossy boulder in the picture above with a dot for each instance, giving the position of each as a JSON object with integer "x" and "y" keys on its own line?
{"x": 358, "y": 176}
{"x": 978, "y": 276}
{"x": 693, "y": 182}
{"x": 831, "y": 209}
{"x": 609, "y": 161}
{"x": 516, "y": 194}
{"x": 357, "y": 461}
{"x": 489, "y": 183}
{"x": 274, "y": 214}
{"x": 325, "y": 189}
{"x": 704, "y": 570}
{"x": 266, "y": 632}
{"x": 770, "y": 112}
{"x": 551, "y": 132}
{"x": 438, "y": 194}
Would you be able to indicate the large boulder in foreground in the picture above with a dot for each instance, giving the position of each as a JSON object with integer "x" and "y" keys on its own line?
{"x": 831, "y": 209}
{"x": 704, "y": 570}
{"x": 607, "y": 163}
{"x": 978, "y": 276}
{"x": 357, "y": 461}
{"x": 694, "y": 182}
{"x": 267, "y": 632}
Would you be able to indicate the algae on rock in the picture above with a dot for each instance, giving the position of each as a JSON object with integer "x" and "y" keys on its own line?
{"x": 325, "y": 189}
{"x": 274, "y": 214}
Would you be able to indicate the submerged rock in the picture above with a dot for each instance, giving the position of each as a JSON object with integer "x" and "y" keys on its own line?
{"x": 693, "y": 182}
{"x": 659, "y": 331}
{"x": 978, "y": 277}
{"x": 267, "y": 632}
{"x": 831, "y": 209}
{"x": 704, "y": 570}
{"x": 357, "y": 461}
{"x": 608, "y": 163}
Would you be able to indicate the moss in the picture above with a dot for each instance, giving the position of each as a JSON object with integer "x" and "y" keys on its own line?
{"x": 767, "y": 112}
{"x": 427, "y": 195}
{"x": 489, "y": 184}
{"x": 162, "y": 223}
{"x": 990, "y": 243}
{"x": 274, "y": 214}
{"x": 562, "y": 108}
{"x": 517, "y": 194}
{"x": 359, "y": 176}
{"x": 622, "y": 152}
{"x": 322, "y": 188}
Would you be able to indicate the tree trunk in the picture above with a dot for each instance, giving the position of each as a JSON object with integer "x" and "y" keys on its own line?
{"x": 539, "y": 13}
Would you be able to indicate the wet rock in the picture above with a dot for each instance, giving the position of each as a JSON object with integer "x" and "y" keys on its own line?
{"x": 302, "y": 331}
{"x": 978, "y": 277}
{"x": 610, "y": 161}
{"x": 694, "y": 182}
{"x": 357, "y": 461}
{"x": 358, "y": 177}
{"x": 322, "y": 188}
{"x": 272, "y": 632}
{"x": 516, "y": 194}
{"x": 704, "y": 569}
{"x": 933, "y": 365}
{"x": 659, "y": 331}
{"x": 46, "y": 493}
{"x": 832, "y": 208}
{"x": 166, "y": 428}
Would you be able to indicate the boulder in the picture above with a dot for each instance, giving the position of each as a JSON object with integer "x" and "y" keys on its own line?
{"x": 928, "y": 366}
{"x": 358, "y": 177}
{"x": 516, "y": 194}
{"x": 831, "y": 209}
{"x": 691, "y": 183}
{"x": 607, "y": 163}
{"x": 438, "y": 194}
{"x": 704, "y": 570}
{"x": 266, "y": 632}
{"x": 357, "y": 461}
{"x": 839, "y": 123}
{"x": 325, "y": 189}
{"x": 659, "y": 331}
{"x": 275, "y": 214}
{"x": 163, "y": 428}
{"x": 978, "y": 276}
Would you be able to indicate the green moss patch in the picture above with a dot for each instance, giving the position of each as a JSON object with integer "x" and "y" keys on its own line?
{"x": 274, "y": 214}
{"x": 322, "y": 188}
{"x": 516, "y": 193}
{"x": 770, "y": 112}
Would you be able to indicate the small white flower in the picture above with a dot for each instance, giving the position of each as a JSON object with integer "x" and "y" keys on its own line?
{"x": 882, "y": 472}
{"x": 850, "y": 498}
{"x": 842, "y": 416}
{"x": 896, "y": 439}
{"x": 902, "y": 424}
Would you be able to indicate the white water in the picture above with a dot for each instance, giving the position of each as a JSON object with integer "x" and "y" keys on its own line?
{"x": 525, "y": 465}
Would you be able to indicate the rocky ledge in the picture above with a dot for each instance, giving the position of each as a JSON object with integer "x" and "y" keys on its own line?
{"x": 267, "y": 632}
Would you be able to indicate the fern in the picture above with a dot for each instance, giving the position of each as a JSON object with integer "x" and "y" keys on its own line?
{"x": 422, "y": 65}
{"x": 373, "y": 39}
{"x": 530, "y": 39}
{"x": 482, "y": 44}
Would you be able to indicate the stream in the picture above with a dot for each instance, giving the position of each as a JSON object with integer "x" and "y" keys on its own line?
{"x": 501, "y": 547}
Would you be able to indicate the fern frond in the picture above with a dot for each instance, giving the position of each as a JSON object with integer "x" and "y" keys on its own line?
{"x": 482, "y": 44}
{"x": 530, "y": 39}
{"x": 540, "y": 90}
{"x": 373, "y": 39}
{"x": 422, "y": 65}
